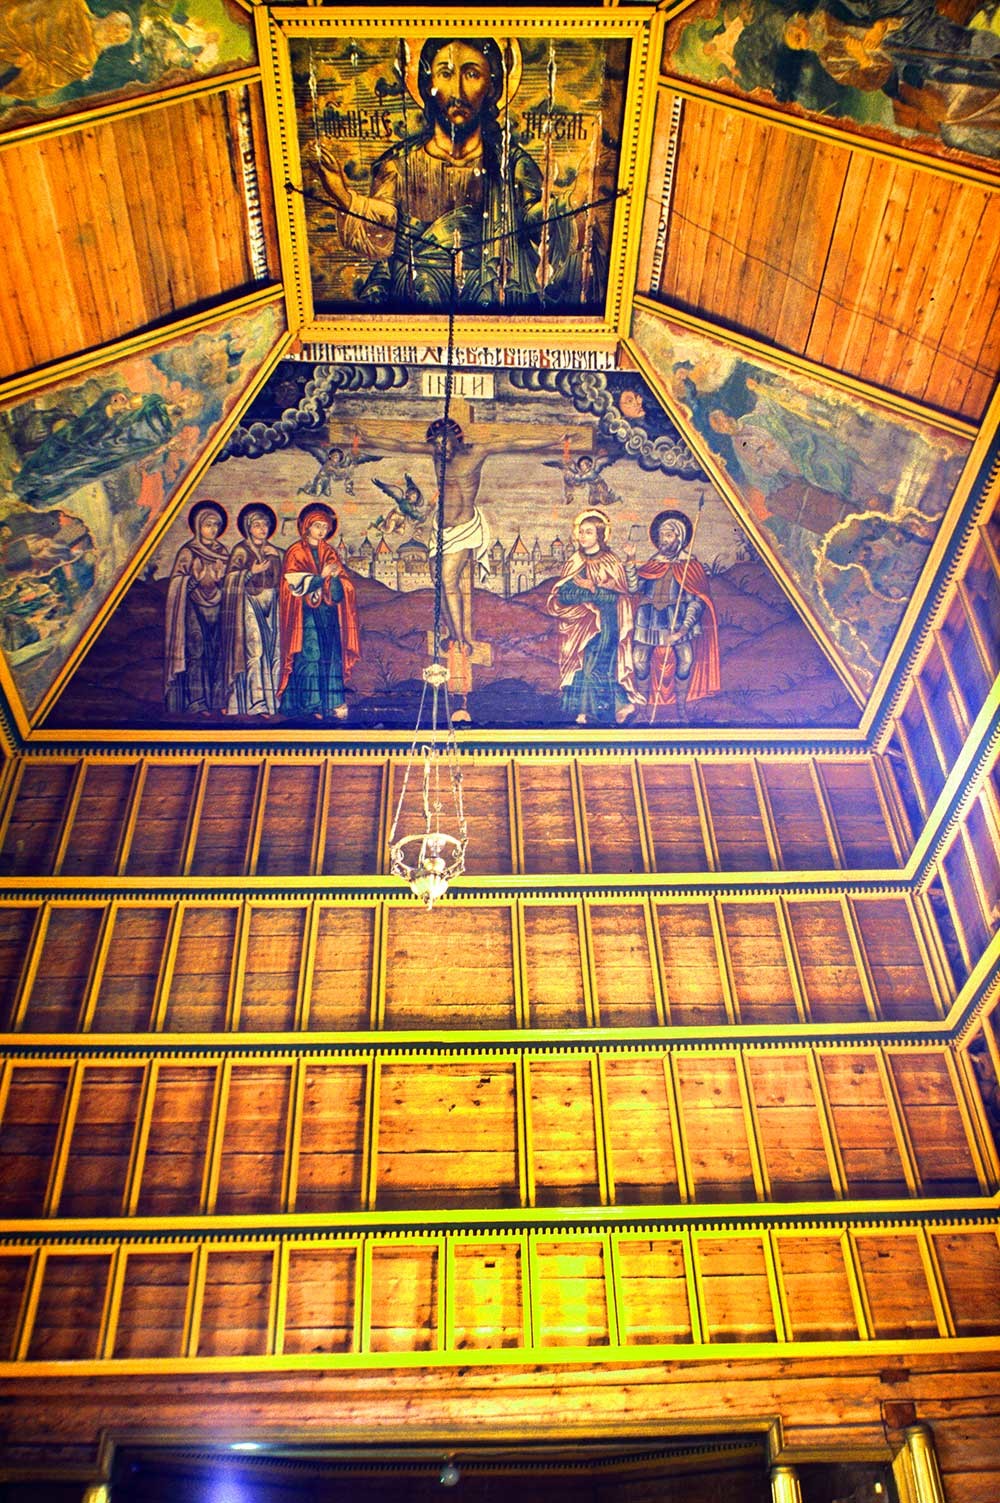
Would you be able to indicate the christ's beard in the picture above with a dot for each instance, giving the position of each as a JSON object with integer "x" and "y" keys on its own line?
{"x": 458, "y": 123}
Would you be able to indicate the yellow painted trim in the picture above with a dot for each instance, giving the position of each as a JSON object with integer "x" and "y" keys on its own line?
{"x": 704, "y": 816}
{"x": 967, "y": 482}
{"x": 60, "y": 1152}
{"x": 195, "y": 1301}
{"x": 827, "y": 1125}
{"x": 678, "y": 1132}
{"x": 654, "y": 948}
{"x": 900, "y": 1131}
{"x": 597, "y": 743}
{"x": 751, "y": 1126}
{"x": 525, "y": 1130}
{"x": 112, "y": 1304}
{"x": 602, "y": 1145}
{"x": 165, "y": 978}
{"x": 29, "y": 1306}
{"x": 982, "y": 1148}
{"x": 543, "y": 1042}
{"x": 194, "y": 816}
{"x": 238, "y": 967}
{"x": 931, "y": 961}
{"x": 278, "y": 1304}
{"x": 639, "y": 117}
{"x": 613, "y": 1289}
{"x": 136, "y": 790}
{"x": 369, "y": 1153}
{"x": 216, "y": 1134}
{"x": 68, "y": 815}
{"x": 289, "y": 208}
{"x": 11, "y": 776}
{"x": 792, "y": 960}
{"x": 916, "y": 782}
{"x": 826, "y": 813}
{"x": 29, "y": 974}
{"x": 766, "y": 813}
{"x": 724, "y": 961}
{"x": 776, "y": 1288}
{"x": 140, "y": 1138}
{"x": 855, "y": 1281}
{"x": 293, "y": 1136}
{"x": 519, "y": 965}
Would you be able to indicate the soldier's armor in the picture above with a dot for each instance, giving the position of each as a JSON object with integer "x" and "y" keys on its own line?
{"x": 654, "y": 619}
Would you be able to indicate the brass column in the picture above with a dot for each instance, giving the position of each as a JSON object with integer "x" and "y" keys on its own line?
{"x": 785, "y": 1485}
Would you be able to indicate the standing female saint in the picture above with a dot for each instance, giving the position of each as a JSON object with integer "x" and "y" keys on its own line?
{"x": 591, "y": 603}
{"x": 250, "y": 652}
{"x": 318, "y": 621}
{"x": 193, "y": 659}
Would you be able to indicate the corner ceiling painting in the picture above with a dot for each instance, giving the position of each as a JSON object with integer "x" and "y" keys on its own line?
{"x": 591, "y": 574}
{"x": 924, "y": 73}
{"x": 847, "y": 496}
{"x": 490, "y": 159}
{"x": 57, "y": 56}
{"x": 86, "y": 467}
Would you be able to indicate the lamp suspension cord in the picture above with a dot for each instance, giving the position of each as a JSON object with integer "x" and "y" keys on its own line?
{"x": 442, "y": 458}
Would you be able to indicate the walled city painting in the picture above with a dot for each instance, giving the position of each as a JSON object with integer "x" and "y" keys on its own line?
{"x": 87, "y": 466}
{"x": 591, "y": 576}
{"x": 57, "y": 56}
{"x": 923, "y": 72}
{"x": 477, "y": 171}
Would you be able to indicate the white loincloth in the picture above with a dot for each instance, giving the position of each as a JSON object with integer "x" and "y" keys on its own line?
{"x": 472, "y": 536}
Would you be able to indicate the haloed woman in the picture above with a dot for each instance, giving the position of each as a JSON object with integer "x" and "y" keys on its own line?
{"x": 193, "y": 658}
{"x": 319, "y": 621}
{"x": 250, "y": 652}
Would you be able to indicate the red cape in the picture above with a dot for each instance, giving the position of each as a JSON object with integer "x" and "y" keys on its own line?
{"x": 704, "y": 678}
{"x": 299, "y": 560}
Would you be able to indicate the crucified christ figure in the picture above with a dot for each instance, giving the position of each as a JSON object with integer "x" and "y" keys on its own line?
{"x": 466, "y": 531}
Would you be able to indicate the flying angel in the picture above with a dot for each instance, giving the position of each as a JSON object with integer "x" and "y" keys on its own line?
{"x": 582, "y": 482}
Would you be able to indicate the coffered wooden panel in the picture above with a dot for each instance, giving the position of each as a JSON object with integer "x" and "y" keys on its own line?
{"x": 870, "y": 265}
{"x": 118, "y": 225}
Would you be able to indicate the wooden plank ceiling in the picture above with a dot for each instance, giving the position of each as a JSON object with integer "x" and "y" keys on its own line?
{"x": 120, "y": 225}
{"x": 880, "y": 268}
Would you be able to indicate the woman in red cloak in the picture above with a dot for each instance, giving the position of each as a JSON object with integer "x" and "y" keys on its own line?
{"x": 318, "y": 621}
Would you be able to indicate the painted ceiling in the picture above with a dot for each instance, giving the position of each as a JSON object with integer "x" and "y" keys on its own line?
{"x": 723, "y": 342}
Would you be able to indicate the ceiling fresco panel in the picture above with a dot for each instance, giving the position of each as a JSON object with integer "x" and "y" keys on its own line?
{"x": 918, "y": 73}
{"x": 86, "y": 468}
{"x": 592, "y": 576}
{"x": 848, "y": 497}
{"x": 493, "y": 156}
{"x": 60, "y": 56}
